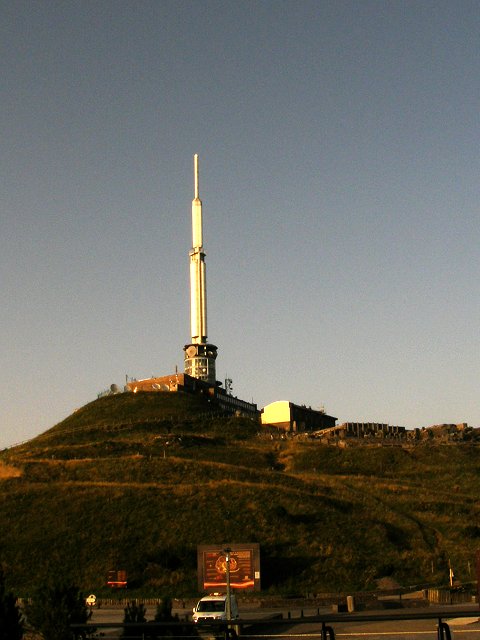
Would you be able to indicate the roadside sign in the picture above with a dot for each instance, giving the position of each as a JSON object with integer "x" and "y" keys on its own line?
{"x": 91, "y": 600}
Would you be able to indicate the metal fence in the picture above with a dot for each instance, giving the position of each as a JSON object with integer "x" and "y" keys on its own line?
{"x": 396, "y": 625}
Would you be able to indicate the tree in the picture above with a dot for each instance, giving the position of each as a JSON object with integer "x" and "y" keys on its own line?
{"x": 164, "y": 615}
{"x": 164, "y": 610}
{"x": 11, "y": 624}
{"x": 54, "y": 608}
{"x": 134, "y": 612}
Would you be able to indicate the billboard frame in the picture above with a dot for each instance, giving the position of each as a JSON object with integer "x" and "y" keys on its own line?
{"x": 244, "y": 567}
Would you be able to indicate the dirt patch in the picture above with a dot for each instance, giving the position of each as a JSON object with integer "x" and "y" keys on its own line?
{"x": 6, "y": 471}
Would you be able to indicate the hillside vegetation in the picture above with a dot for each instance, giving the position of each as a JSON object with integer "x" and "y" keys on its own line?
{"x": 137, "y": 481}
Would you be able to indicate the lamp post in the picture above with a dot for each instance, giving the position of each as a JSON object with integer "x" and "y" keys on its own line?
{"x": 227, "y": 552}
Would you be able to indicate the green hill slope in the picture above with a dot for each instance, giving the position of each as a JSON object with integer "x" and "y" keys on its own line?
{"x": 138, "y": 481}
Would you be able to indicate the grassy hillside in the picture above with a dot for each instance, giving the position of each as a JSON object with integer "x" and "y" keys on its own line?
{"x": 137, "y": 481}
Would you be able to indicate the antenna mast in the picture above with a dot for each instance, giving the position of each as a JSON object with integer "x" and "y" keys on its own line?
{"x": 199, "y": 356}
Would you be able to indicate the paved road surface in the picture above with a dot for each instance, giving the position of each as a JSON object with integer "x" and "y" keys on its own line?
{"x": 462, "y": 628}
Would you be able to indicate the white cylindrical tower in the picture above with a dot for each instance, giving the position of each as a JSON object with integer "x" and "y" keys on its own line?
{"x": 197, "y": 235}
{"x": 199, "y": 355}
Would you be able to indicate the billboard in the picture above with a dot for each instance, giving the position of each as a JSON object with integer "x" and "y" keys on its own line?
{"x": 244, "y": 567}
{"x": 478, "y": 575}
{"x": 117, "y": 579}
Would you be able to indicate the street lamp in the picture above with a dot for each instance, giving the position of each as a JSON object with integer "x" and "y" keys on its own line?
{"x": 227, "y": 552}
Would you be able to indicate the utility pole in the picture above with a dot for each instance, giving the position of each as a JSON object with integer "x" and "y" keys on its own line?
{"x": 227, "y": 552}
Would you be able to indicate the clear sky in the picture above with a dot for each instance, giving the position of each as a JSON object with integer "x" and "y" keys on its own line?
{"x": 339, "y": 173}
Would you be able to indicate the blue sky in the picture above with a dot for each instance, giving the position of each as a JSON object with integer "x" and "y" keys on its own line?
{"x": 339, "y": 165}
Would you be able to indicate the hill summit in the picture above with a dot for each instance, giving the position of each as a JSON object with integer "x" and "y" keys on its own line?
{"x": 137, "y": 481}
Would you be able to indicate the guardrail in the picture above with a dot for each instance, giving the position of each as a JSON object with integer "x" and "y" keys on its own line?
{"x": 322, "y": 626}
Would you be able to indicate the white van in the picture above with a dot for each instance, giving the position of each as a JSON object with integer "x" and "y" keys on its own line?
{"x": 214, "y": 607}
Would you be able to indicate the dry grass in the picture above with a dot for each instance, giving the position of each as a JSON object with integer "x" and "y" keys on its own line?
{"x": 7, "y": 471}
{"x": 89, "y": 495}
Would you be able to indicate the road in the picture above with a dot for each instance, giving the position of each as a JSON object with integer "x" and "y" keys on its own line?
{"x": 382, "y": 630}
{"x": 347, "y": 626}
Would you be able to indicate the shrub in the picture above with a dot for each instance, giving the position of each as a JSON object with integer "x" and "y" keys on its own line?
{"x": 54, "y": 608}
{"x": 11, "y": 624}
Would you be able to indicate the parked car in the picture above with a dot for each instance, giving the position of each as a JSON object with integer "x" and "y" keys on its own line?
{"x": 214, "y": 607}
